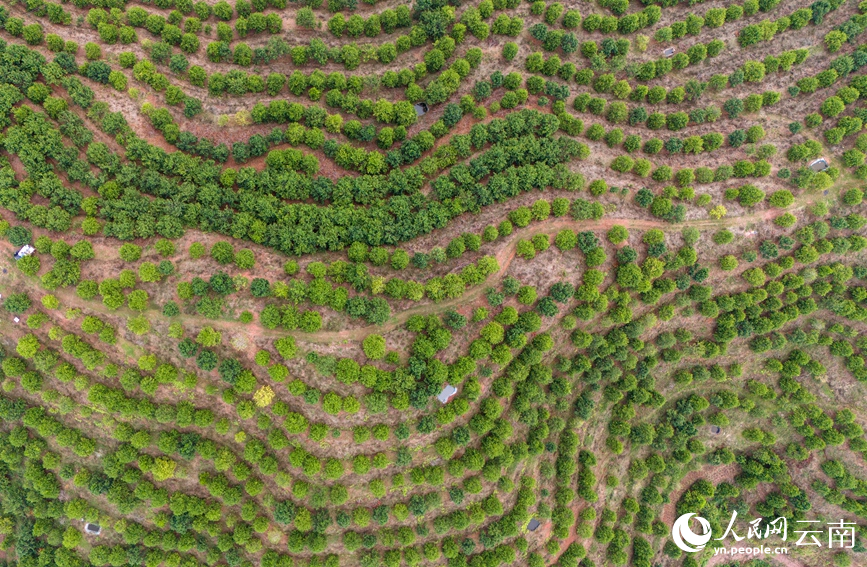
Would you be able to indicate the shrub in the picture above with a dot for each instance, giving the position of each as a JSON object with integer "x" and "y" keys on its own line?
{"x": 781, "y": 199}
{"x": 374, "y": 347}
{"x": 728, "y": 263}
{"x": 92, "y": 51}
{"x": 510, "y": 51}
{"x": 244, "y": 259}
{"x": 33, "y": 34}
{"x": 527, "y": 295}
{"x": 129, "y": 252}
{"x": 786, "y": 220}
{"x": 622, "y": 164}
{"x": 832, "y": 106}
{"x": 566, "y": 240}
{"x": 617, "y": 234}
{"x": 305, "y": 18}
{"x": 222, "y": 252}
{"x": 853, "y": 197}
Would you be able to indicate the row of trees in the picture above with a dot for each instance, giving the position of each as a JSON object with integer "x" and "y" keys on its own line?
{"x": 798, "y": 19}
{"x": 158, "y": 224}
{"x": 713, "y": 18}
{"x": 533, "y": 387}
{"x": 614, "y": 339}
{"x": 355, "y": 26}
{"x": 411, "y": 508}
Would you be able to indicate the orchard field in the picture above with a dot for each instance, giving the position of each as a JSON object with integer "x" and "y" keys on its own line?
{"x": 331, "y": 283}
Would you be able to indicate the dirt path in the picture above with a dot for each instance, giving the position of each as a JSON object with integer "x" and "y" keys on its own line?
{"x": 504, "y": 258}
{"x": 507, "y": 254}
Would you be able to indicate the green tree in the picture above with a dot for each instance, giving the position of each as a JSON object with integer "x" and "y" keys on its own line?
{"x": 305, "y": 18}
{"x": 244, "y": 259}
{"x": 27, "y": 347}
{"x": 832, "y": 106}
{"x": 163, "y": 469}
{"x": 197, "y": 250}
{"x": 286, "y": 347}
{"x": 129, "y": 252}
{"x": 617, "y": 234}
{"x": 72, "y": 538}
{"x": 17, "y": 303}
{"x": 510, "y": 51}
{"x": 137, "y": 300}
{"x": 374, "y": 347}
{"x": 222, "y": 252}
{"x": 566, "y": 239}
{"x": 209, "y": 337}
{"x": 139, "y": 325}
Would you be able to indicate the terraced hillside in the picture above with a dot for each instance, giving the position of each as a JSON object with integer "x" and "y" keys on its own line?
{"x": 327, "y": 284}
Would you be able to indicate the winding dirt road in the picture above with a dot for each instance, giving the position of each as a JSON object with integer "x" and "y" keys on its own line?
{"x": 504, "y": 256}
